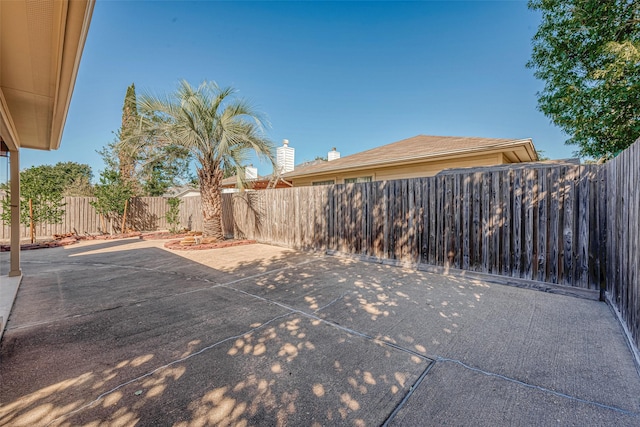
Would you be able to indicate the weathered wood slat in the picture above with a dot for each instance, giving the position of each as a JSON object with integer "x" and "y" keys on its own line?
{"x": 433, "y": 212}
{"x": 507, "y": 209}
{"x": 466, "y": 222}
{"x": 476, "y": 229}
{"x": 582, "y": 247}
{"x": 555, "y": 207}
{"x": 417, "y": 218}
{"x": 516, "y": 238}
{"x": 456, "y": 245}
{"x": 486, "y": 224}
{"x": 568, "y": 228}
{"x": 528, "y": 245}
{"x": 495, "y": 224}
{"x": 447, "y": 236}
{"x": 424, "y": 247}
{"x": 411, "y": 245}
{"x": 542, "y": 225}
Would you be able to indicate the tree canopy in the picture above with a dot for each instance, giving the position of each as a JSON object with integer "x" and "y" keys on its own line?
{"x": 58, "y": 178}
{"x": 588, "y": 54}
{"x": 149, "y": 167}
{"x": 41, "y": 191}
{"x": 112, "y": 192}
{"x": 45, "y": 185}
{"x": 126, "y": 155}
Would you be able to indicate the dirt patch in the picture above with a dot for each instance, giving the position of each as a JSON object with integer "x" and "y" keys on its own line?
{"x": 68, "y": 239}
{"x": 176, "y": 245}
{"x": 162, "y": 235}
{"x": 41, "y": 245}
{"x": 111, "y": 236}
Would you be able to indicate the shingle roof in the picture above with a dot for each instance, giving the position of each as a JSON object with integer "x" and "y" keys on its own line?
{"x": 420, "y": 147}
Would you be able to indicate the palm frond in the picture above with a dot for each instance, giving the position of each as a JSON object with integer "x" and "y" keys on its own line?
{"x": 217, "y": 128}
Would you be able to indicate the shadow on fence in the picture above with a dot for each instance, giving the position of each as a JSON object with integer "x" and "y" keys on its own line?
{"x": 539, "y": 224}
{"x": 145, "y": 213}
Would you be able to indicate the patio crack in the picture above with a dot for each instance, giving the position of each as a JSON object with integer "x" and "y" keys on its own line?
{"x": 439, "y": 359}
{"x": 335, "y": 300}
{"x": 406, "y": 397}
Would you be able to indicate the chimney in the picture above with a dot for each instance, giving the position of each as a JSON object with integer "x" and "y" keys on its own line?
{"x": 250, "y": 172}
{"x": 333, "y": 154}
{"x": 285, "y": 157}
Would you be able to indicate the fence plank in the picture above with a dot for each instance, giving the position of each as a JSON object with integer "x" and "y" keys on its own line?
{"x": 495, "y": 223}
{"x": 542, "y": 225}
{"x": 486, "y": 218}
{"x": 582, "y": 247}
{"x": 528, "y": 224}
{"x": 568, "y": 229}
{"x": 507, "y": 209}
{"x": 517, "y": 225}
{"x": 476, "y": 233}
{"x": 433, "y": 212}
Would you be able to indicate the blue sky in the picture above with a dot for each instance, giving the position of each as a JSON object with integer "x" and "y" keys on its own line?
{"x": 354, "y": 75}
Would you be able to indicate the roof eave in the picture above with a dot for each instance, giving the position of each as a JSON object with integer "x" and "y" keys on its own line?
{"x": 7, "y": 127}
{"x": 501, "y": 147}
{"x": 76, "y": 29}
{"x": 40, "y": 64}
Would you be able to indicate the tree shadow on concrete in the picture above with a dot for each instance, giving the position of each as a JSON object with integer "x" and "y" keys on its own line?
{"x": 124, "y": 332}
{"x": 160, "y": 339}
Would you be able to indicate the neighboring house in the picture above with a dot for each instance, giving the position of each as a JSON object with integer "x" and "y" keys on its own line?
{"x": 420, "y": 156}
{"x": 230, "y": 185}
{"x": 183, "y": 191}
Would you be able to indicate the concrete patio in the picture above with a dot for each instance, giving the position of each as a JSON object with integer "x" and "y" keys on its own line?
{"x": 128, "y": 333}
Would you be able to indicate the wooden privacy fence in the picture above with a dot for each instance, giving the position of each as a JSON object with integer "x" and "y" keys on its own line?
{"x": 622, "y": 243}
{"x": 144, "y": 214}
{"x": 79, "y": 215}
{"x": 541, "y": 223}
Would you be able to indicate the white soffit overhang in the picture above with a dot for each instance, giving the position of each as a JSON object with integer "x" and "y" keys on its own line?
{"x": 41, "y": 44}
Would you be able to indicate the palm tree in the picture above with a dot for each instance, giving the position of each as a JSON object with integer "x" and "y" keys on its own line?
{"x": 218, "y": 129}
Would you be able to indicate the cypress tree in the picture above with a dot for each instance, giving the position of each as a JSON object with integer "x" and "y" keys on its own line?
{"x": 127, "y": 156}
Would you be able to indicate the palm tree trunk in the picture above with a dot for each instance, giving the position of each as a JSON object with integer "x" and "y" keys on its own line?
{"x": 210, "y": 179}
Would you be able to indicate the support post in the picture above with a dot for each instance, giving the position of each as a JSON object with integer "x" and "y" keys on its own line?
{"x": 14, "y": 161}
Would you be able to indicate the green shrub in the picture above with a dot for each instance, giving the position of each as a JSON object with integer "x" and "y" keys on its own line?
{"x": 173, "y": 215}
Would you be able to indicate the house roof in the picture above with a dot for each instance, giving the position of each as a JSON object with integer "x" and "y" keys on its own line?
{"x": 418, "y": 149}
{"x": 40, "y": 48}
{"x": 181, "y": 191}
